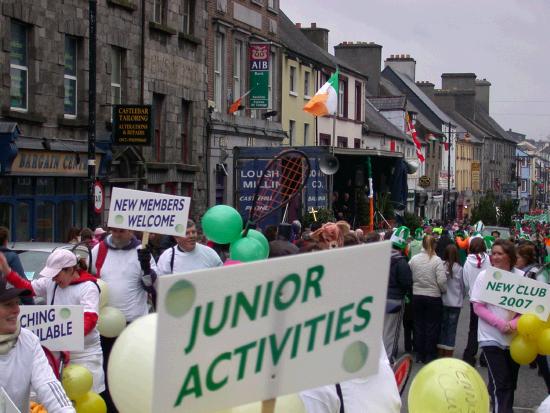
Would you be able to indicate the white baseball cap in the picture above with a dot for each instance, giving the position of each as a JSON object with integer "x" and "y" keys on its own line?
{"x": 59, "y": 259}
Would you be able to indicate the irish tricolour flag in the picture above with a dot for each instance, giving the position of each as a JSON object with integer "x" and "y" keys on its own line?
{"x": 325, "y": 101}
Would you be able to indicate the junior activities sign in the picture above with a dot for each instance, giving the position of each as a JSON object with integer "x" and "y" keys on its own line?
{"x": 519, "y": 294}
{"x": 249, "y": 332}
{"x": 149, "y": 211}
{"x": 59, "y": 327}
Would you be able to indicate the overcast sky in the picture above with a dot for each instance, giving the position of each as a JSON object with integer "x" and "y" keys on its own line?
{"x": 506, "y": 42}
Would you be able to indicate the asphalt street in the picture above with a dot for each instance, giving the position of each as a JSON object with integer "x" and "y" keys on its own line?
{"x": 531, "y": 389}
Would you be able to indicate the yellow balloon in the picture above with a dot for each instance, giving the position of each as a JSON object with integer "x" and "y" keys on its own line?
{"x": 91, "y": 403}
{"x": 522, "y": 350}
{"x": 530, "y": 326}
{"x": 77, "y": 381}
{"x": 130, "y": 369}
{"x": 104, "y": 294}
{"x": 543, "y": 342}
{"x": 111, "y": 322}
{"x": 446, "y": 384}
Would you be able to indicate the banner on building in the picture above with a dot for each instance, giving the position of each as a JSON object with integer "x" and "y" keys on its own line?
{"x": 258, "y": 59}
{"x": 59, "y": 327}
{"x": 149, "y": 211}
{"x": 132, "y": 124}
{"x": 232, "y": 335}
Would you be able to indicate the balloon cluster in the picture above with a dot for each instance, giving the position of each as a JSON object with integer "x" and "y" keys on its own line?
{"x": 533, "y": 338}
{"x": 111, "y": 320}
{"x": 77, "y": 382}
{"x": 224, "y": 225}
{"x": 448, "y": 384}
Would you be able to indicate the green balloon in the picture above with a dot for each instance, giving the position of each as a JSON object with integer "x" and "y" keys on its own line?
{"x": 222, "y": 224}
{"x": 258, "y": 236}
{"x": 246, "y": 250}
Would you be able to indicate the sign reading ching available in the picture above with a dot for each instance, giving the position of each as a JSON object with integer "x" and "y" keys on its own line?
{"x": 233, "y": 335}
{"x": 132, "y": 124}
{"x": 148, "y": 211}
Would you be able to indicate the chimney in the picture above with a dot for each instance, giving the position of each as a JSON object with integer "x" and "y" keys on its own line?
{"x": 299, "y": 25}
{"x": 403, "y": 64}
{"x": 367, "y": 57}
{"x": 482, "y": 94}
{"x": 458, "y": 81}
{"x": 317, "y": 35}
{"x": 427, "y": 87}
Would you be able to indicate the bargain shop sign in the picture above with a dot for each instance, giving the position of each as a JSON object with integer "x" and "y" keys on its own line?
{"x": 232, "y": 335}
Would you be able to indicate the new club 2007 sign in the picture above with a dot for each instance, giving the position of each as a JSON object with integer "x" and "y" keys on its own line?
{"x": 233, "y": 335}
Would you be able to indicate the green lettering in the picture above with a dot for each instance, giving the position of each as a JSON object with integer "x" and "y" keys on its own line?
{"x": 296, "y": 341}
{"x": 194, "y": 330}
{"x": 363, "y": 313}
{"x": 260, "y": 359}
{"x": 208, "y": 329}
{"x": 491, "y": 285}
{"x": 313, "y": 283}
{"x": 312, "y": 323}
{"x": 542, "y": 292}
{"x": 330, "y": 319}
{"x": 277, "y": 351}
{"x": 243, "y": 351}
{"x": 508, "y": 287}
{"x": 210, "y": 383}
{"x": 267, "y": 298}
{"x": 192, "y": 378}
{"x": 342, "y": 321}
{"x": 294, "y": 279}
{"x": 251, "y": 310}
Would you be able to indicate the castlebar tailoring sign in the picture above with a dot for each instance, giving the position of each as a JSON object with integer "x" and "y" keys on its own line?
{"x": 258, "y": 56}
{"x": 132, "y": 124}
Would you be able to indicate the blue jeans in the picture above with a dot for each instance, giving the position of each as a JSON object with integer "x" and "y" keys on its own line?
{"x": 449, "y": 321}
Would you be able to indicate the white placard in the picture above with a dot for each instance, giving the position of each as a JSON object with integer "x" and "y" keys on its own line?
{"x": 275, "y": 327}
{"x": 6, "y": 404}
{"x": 148, "y": 211}
{"x": 512, "y": 292}
{"x": 59, "y": 327}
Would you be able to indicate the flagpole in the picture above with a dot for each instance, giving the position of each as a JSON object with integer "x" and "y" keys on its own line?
{"x": 336, "y": 113}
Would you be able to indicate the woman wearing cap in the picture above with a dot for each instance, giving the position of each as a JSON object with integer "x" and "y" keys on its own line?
{"x": 63, "y": 284}
{"x": 22, "y": 362}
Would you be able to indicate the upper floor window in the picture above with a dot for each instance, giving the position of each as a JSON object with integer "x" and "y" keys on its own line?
{"x": 19, "y": 69}
{"x": 292, "y": 80}
{"x": 272, "y": 74}
{"x": 70, "y": 77}
{"x": 273, "y": 4}
{"x": 306, "y": 83}
{"x": 238, "y": 53}
{"x": 358, "y": 101}
{"x": 159, "y": 11}
{"x": 218, "y": 70}
{"x": 292, "y": 131}
{"x": 341, "y": 97}
{"x": 187, "y": 14}
{"x": 116, "y": 76}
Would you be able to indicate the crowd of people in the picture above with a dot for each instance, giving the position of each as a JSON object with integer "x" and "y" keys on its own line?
{"x": 432, "y": 271}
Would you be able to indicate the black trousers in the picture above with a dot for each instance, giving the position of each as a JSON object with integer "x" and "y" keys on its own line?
{"x": 107, "y": 345}
{"x": 427, "y": 323}
{"x": 503, "y": 378}
{"x": 544, "y": 370}
{"x": 408, "y": 327}
{"x": 470, "y": 351}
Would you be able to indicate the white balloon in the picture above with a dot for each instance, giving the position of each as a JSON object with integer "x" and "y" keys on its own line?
{"x": 111, "y": 322}
{"x": 130, "y": 369}
{"x": 104, "y": 294}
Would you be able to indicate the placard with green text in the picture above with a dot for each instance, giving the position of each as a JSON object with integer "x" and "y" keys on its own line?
{"x": 248, "y": 332}
{"x": 516, "y": 293}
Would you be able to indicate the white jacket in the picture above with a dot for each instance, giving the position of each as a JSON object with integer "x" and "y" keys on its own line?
{"x": 429, "y": 275}
{"x": 475, "y": 263}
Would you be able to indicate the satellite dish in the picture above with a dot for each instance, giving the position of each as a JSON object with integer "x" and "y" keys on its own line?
{"x": 412, "y": 166}
{"x": 329, "y": 164}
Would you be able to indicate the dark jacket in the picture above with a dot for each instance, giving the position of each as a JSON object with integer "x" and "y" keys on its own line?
{"x": 15, "y": 264}
{"x": 400, "y": 282}
{"x": 442, "y": 243}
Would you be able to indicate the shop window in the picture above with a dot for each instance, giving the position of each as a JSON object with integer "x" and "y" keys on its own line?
{"x": 23, "y": 185}
{"x": 220, "y": 185}
{"x": 5, "y": 186}
{"x": 64, "y": 219}
{"x": 64, "y": 186}
{"x": 19, "y": 69}
{"x": 70, "y": 77}
{"x": 45, "y": 186}
{"x": 23, "y": 222}
{"x": 5, "y": 215}
{"x": 81, "y": 214}
{"x": 81, "y": 187}
{"x": 45, "y": 221}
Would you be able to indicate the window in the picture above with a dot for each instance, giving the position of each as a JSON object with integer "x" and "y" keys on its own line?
{"x": 70, "y": 78}
{"x": 291, "y": 131}
{"x": 524, "y": 162}
{"x": 187, "y": 16}
{"x": 342, "y": 99}
{"x": 237, "y": 69}
{"x": 271, "y": 76}
{"x": 158, "y": 103}
{"x": 185, "y": 131}
{"x": 272, "y": 4}
{"x": 292, "y": 80}
{"x": 306, "y": 84}
{"x": 306, "y": 133}
{"x": 218, "y": 70}
{"x": 221, "y": 179}
{"x": 358, "y": 102}
{"x": 159, "y": 11}
{"x": 116, "y": 76}
{"x": 19, "y": 70}
{"x": 324, "y": 139}
{"x": 342, "y": 142}
{"x": 524, "y": 185}
{"x": 357, "y": 143}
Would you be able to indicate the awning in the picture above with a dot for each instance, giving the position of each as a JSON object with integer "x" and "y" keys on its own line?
{"x": 365, "y": 152}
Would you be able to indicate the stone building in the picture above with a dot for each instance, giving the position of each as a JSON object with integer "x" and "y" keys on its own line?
{"x": 148, "y": 52}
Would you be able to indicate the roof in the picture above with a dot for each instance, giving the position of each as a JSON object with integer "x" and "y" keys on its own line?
{"x": 420, "y": 94}
{"x": 518, "y": 137}
{"x": 475, "y": 131}
{"x": 297, "y": 42}
{"x": 379, "y": 124}
{"x": 389, "y": 102}
{"x": 482, "y": 118}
